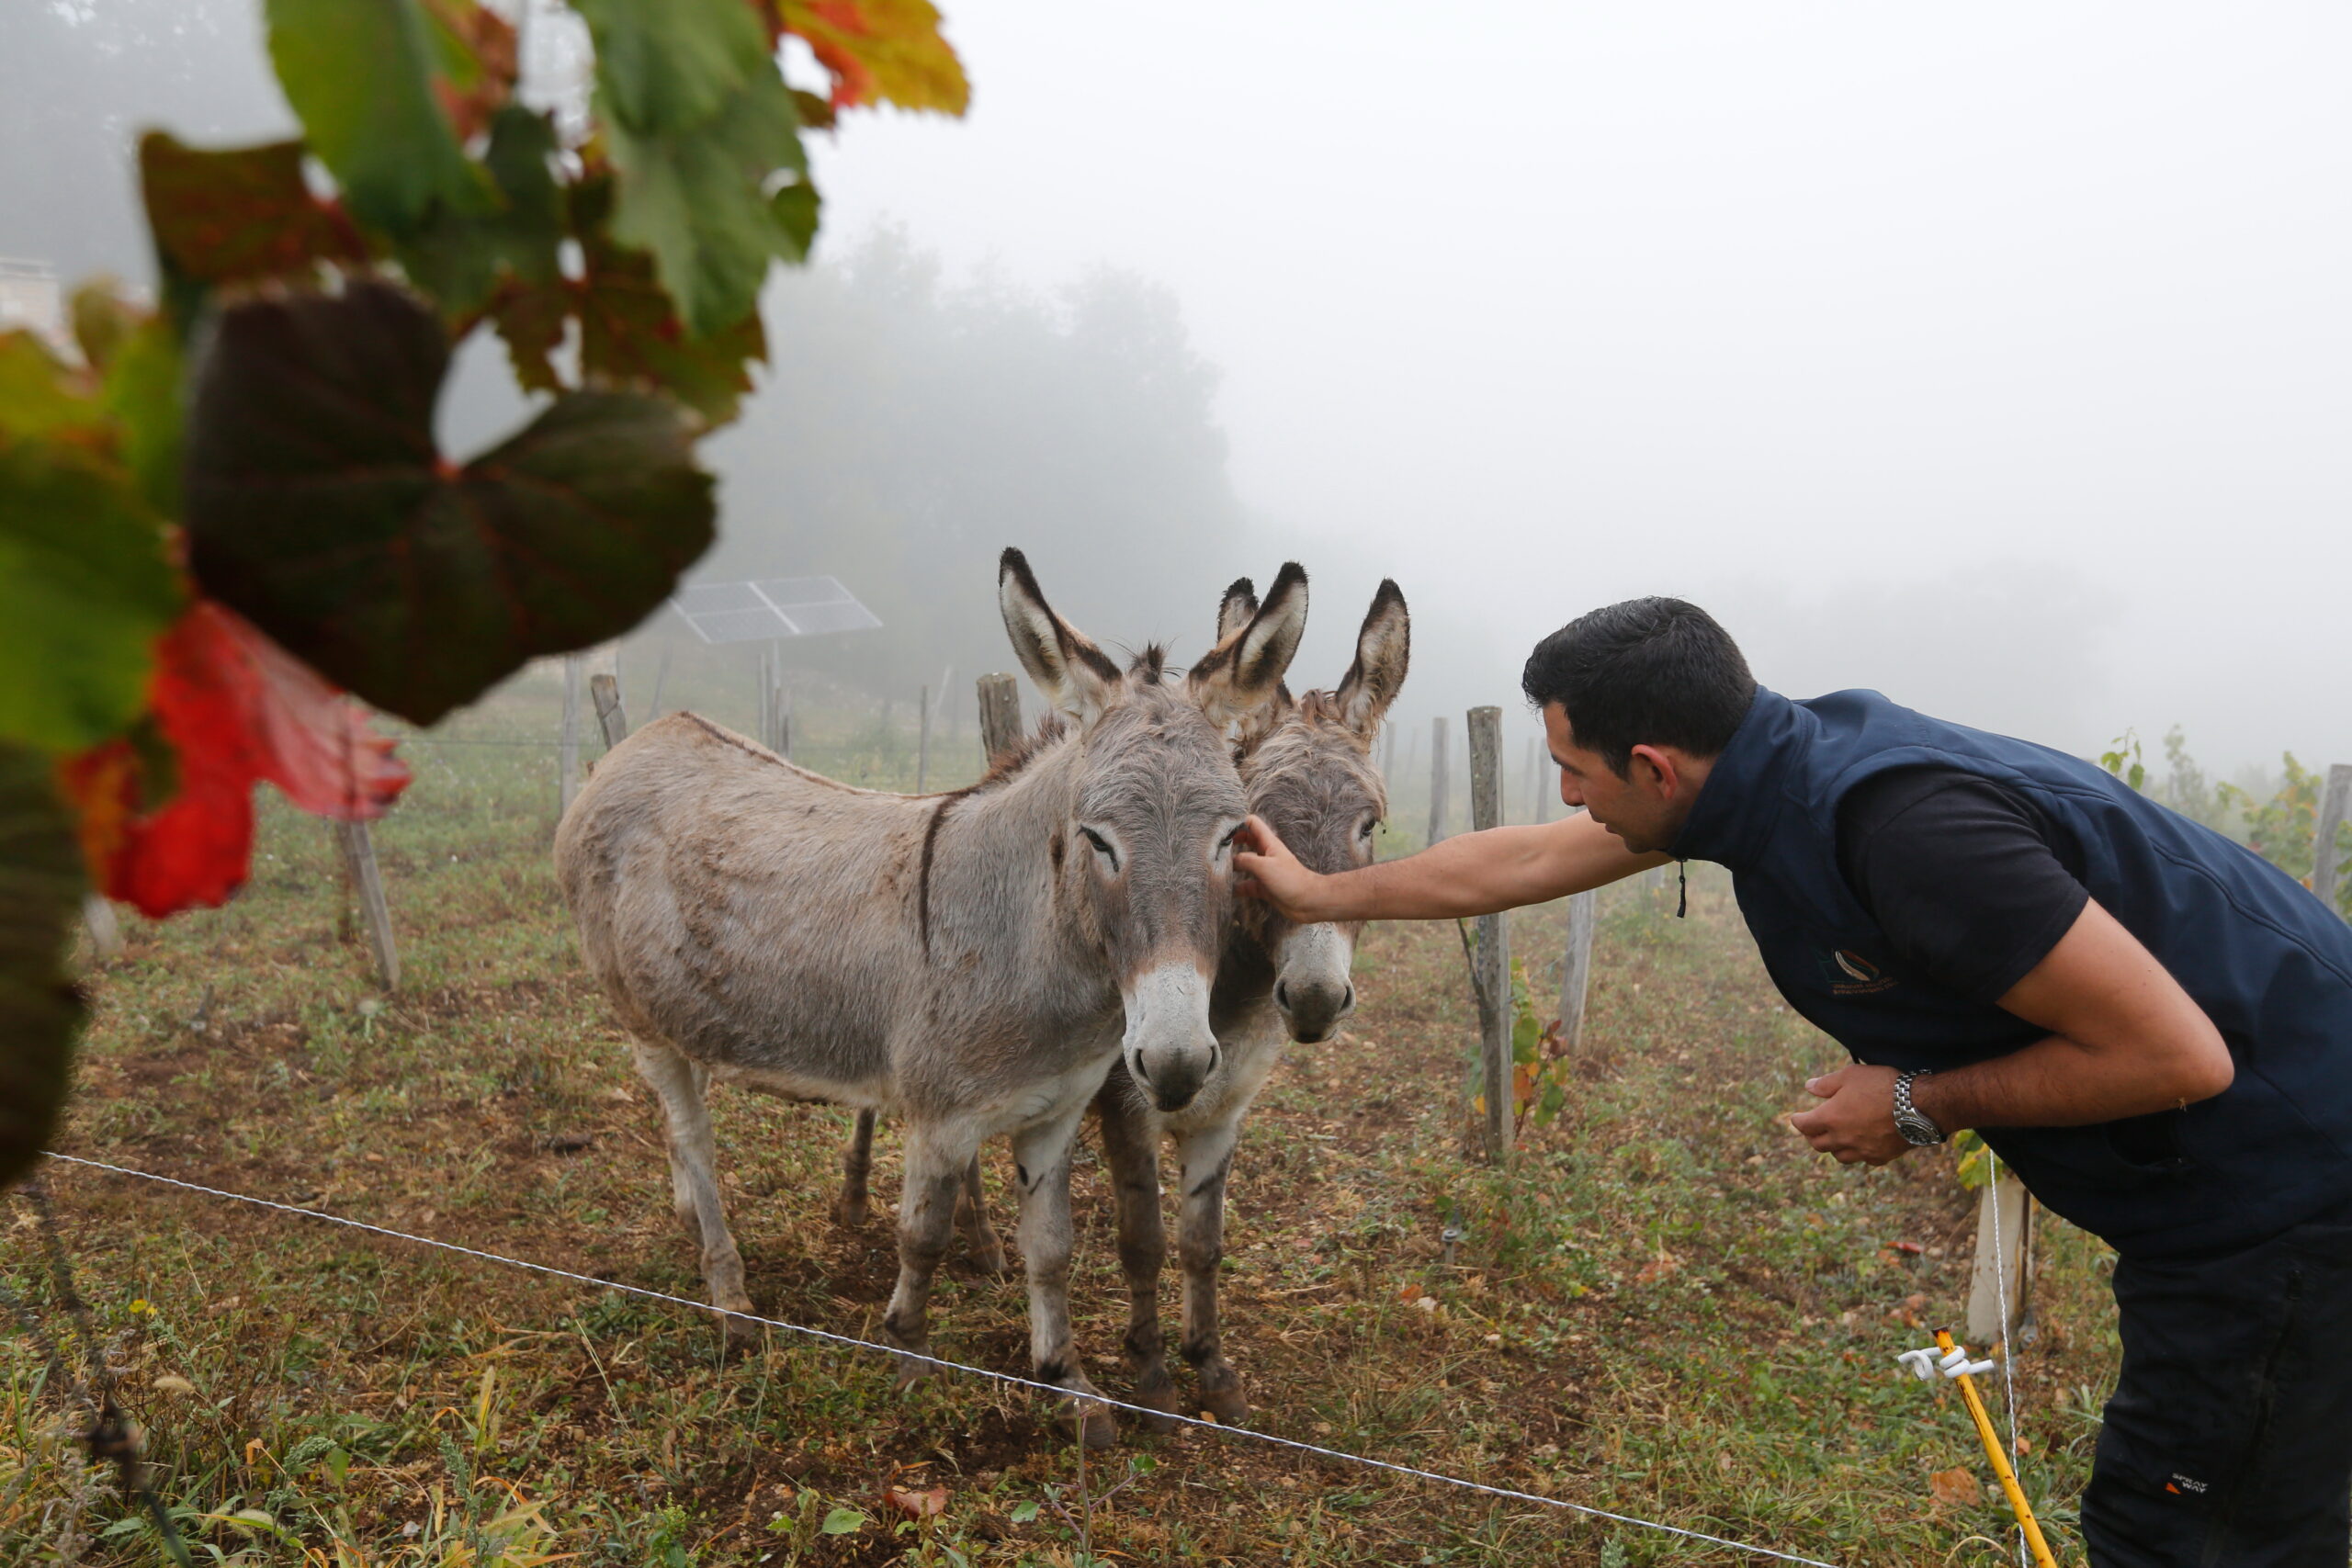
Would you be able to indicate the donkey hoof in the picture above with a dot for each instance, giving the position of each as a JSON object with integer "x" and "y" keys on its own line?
{"x": 1159, "y": 1395}
{"x": 991, "y": 1260}
{"x": 1227, "y": 1405}
{"x": 849, "y": 1213}
{"x": 912, "y": 1372}
{"x": 743, "y": 1333}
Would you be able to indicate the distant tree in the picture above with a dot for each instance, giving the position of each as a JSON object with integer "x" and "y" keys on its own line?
{"x": 916, "y": 428}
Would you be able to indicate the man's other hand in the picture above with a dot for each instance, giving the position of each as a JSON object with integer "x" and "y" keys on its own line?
{"x": 1264, "y": 868}
{"x": 1854, "y": 1120}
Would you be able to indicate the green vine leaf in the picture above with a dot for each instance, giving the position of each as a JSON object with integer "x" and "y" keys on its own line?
{"x": 84, "y": 590}
{"x": 458, "y": 260}
{"x": 359, "y": 75}
{"x": 40, "y": 890}
{"x": 320, "y": 508}
{"x": 698, "y": 122}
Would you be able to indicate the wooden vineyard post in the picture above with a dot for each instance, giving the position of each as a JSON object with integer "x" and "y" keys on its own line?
{"x": 605, "y": 691}
{"x": 923, "y": 738}
{"x": 1485, "y": 727}
{"x": 780, "y": 721}
{"x": 2332, "y": 805}
{"x": 567, "y": 751}
{"x": 106, "y": 932}
{"x": 1575, "y": 969}
{"x": 2006, "y": 1268}
{"x": 375, "y": 913}
{"x": 999, "y": 715}
{"x": 1440, "y": 776}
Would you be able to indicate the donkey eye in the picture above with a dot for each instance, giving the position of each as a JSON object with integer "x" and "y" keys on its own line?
{"x": 1372, "y": 826}
{"x": 1102, "y": 846}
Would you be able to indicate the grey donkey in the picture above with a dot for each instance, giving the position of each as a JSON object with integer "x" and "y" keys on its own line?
{"x": 973, "y": 962}
{"x": 1306, "y": 768}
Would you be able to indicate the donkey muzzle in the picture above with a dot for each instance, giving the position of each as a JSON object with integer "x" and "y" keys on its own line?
{"x": 1313, "y": 990}
{"x": 1171, "y": 1049}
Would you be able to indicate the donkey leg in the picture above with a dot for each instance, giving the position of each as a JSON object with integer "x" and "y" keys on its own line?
{"x": 936, "y": 1159}
{"x": 1206, "y": 1156}
{"x": 1041, "y": 1164}
{"x": 694, "y": 1180}
{"x": 1131, "y": 1154}
{"x": 857, "y": 1163}
{"x": 980, "y": 1239}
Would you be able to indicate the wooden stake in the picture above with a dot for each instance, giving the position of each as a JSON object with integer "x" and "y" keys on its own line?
{"x": 1485, "y": 727}
{"x": 568, "y": 750}
{"x": 605, "y": 691}
{"x": 376, "y": 912}
{"x": 923, "y": 739}
{"x": 999, "y": 715}
{"x": 1440, "y": 777}
{"x": 1576, "y": 968}
{"x": 2006, "y": 1269}
{"x": 2332, "y": 806}
{"x": 106, "y": 932}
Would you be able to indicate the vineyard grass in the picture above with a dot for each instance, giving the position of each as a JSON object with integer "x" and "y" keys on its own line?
{"x": 1665, "y": 1305}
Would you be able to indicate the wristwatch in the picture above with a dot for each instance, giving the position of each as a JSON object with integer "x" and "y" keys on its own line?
{"x": 1916, "y": 1128}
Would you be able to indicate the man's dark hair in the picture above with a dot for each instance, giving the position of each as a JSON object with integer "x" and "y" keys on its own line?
{"x": 1645, "y": 673}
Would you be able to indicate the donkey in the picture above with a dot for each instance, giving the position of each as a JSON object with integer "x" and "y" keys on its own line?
{"x": 974, "y": 961}
{"x": 1308, "y": 769}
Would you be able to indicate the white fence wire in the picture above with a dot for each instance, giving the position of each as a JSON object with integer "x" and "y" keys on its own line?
{"x": 853, "y": 1343}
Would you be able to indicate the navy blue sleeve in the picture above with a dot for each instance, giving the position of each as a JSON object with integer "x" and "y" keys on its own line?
{"x": 1969, "y": 883}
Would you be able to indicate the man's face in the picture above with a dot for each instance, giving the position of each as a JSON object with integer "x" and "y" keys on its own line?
{"x": 1645, "y": 808}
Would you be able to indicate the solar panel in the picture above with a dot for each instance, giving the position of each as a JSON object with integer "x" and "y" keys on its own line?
{"x": 771, "y": 608}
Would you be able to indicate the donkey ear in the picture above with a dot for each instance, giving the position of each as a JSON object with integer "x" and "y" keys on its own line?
{"x": 1383, "y": 647}
{"x": 1075, "y": 676}
{"x": 1240, "y": 603}
{"x": 1243, "y": 674}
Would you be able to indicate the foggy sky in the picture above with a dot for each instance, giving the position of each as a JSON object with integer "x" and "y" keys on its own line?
{"x": 2000, "y": 357}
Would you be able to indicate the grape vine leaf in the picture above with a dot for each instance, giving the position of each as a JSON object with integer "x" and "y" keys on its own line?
{"x": 41, "y": 1011}
{"x": 882, "y": 52}
{"x": 697, "y": 123}
{"x": 629, "y": 333}
{"x": 239, "y": 213}
{"x": 232, "y": 709}
{"x": 85, "y": 590}
{"x": 319, "y": 506}
{"x": 457, "y": 259}
{"x": 360, "y": 76}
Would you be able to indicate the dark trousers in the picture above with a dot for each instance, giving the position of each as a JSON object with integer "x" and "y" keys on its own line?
{"x": 2229, "y": 1441}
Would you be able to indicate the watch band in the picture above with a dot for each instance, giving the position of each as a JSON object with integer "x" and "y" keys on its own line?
{"x": 1919, "y": 1129}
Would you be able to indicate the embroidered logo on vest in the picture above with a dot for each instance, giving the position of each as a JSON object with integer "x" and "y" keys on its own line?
{"x": 1851, "y": 974}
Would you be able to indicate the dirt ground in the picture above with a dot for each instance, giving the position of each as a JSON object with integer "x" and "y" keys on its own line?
{"x": 1663, "y": 1306}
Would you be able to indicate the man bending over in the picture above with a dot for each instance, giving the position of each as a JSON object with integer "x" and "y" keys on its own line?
{"x": 2152, "y": 1025}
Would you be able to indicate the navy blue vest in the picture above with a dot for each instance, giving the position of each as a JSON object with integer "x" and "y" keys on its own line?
{"x": 2270, "y": 963}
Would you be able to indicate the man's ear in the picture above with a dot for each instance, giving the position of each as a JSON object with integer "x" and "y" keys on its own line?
{"x": 1076, "y": 677}
{"x": 1384, "y": 649}
{"x": 1662, "y": 769}
{"x": 1243, "y": 674}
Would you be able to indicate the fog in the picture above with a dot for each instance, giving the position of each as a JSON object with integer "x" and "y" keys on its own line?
{"x": 2000, "y": 357}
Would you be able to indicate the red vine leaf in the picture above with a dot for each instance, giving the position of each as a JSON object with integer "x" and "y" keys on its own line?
{"x": 235, "y": 710}
{"x": 882, "y": 52}
{"x": 243, "y": 213}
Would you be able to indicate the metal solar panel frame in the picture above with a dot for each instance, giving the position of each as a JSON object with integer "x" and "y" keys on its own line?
{"x": 763, "y": 609}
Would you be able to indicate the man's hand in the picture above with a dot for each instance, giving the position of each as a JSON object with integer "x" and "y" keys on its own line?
{"x": 1856, "y": 1119}
{"x": 1271, "y": 873}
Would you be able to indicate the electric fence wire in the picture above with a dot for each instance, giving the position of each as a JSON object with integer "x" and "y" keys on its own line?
{"x": 850, "y": 1342}
{"x": 2008, "y": 1337}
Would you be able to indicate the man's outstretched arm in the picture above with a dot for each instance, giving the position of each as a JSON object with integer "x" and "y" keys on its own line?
{"x": 2125, "y": 1040}
{"x": 1471, "y": 874}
